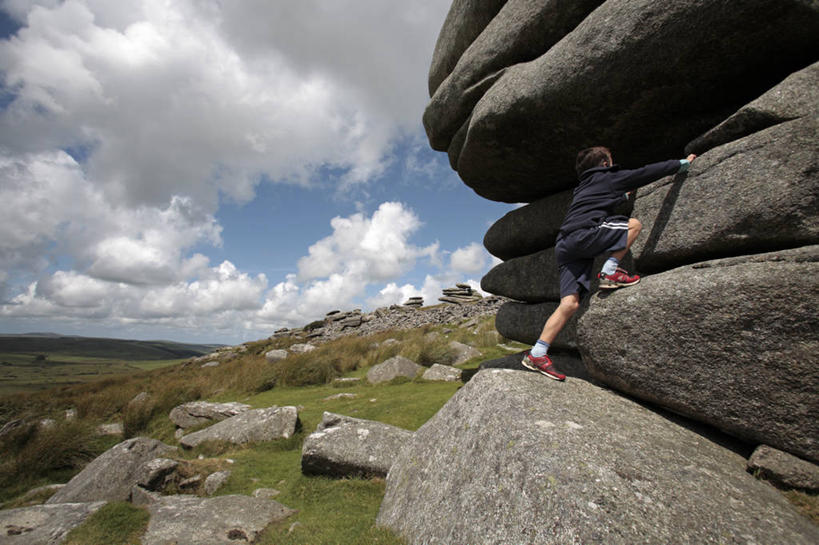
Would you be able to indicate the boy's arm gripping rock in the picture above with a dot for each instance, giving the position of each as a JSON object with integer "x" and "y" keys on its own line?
{"x": 629, "y": 180}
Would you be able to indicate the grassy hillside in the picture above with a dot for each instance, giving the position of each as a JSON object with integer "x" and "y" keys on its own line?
{"x": 35, "y": 362}
{"x": 337, "y": 511}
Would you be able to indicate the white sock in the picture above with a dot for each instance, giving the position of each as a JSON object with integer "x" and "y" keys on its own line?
{"x": 540, "y": 349}
{"x": 610, "y": 266}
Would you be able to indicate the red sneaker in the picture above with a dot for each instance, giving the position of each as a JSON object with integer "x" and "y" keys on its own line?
{"x": 620, "y": 279}
{"x": 542, "y": 364}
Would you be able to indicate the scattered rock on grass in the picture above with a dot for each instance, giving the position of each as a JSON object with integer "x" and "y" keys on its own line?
{"x": 197, "y": 413}
{"x": 397, "y": 366}
{"x": 214, "y": 481}
{"x": 248, "y": 427}
{"x": 43, "y": 524}
{"x": 444, "y": 373}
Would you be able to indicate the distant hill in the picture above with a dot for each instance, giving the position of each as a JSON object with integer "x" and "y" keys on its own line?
{"x": 91, "y": 347}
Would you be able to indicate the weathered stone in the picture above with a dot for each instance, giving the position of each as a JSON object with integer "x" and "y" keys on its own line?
{"x": 213, "y": 363}
{"x": 275, "y": 355}
{"x": 248, "y": 427}
{"x": 142, "y": 496}
{"x": 352, "y": 321}
{"x": 618, "y": 76}
{"x": 757, "y": 193}
{"x": 197, "y": 413}
{"x": 111, "y": 475}
{"x": 214, "y": 481}
{"x": 43, "y": 524}
{"x": 191, "y": 483}
{"x": 342, "y": 395}
{"x": 514, "y": 457}
{"x": 114, "y": 428}
{"x": 443, "y": 373}
{"x": 463, "y": 352}
{"x": 524, "y": 322}
{"x": 223, "y": 520}
{"x": 302, "y": 348}
{"x": 784, "y": 470}
{"x": 139, "y": 399}
{"x": 521, "y": 31}
{"x": 464, "y": 22}
{"x": 719, "y": 342}
{"x": 796, "y": 96}
{"x": 343, "y": 446}
{"x": 266, "y": 493}
{"x": 397, "y": 366}
{"x": 153, "y": 473}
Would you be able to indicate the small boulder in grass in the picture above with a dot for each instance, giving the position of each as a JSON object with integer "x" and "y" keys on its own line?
{"x": 273, "y": 356}
{"x": 443, "y": 373}
{"x": 214, "y": 481}
{"x": 397, "y": 366}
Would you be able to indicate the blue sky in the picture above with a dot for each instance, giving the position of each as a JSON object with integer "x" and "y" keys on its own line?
{"x": 212, "y": 171}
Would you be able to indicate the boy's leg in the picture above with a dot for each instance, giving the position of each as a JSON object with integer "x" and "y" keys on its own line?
{"x": 611, "y": 276}
{"x": 562, "y": 314}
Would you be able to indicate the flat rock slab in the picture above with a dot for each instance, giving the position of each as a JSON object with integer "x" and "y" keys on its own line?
{"x": 343, "y": 446}
{"x": 43, "y": 524}
{"x": 248, "y": 427}
{"x": 224, "y": 520}
{"x": 397, "y": 366}
{"x": 463, "y": 352}
{"x": 784, "y": 470}
{"x": 514, "y": 457}
{"x": 730, "y": 342}
{"x": 111, "y": 475}
{"x": 197, "y": 413}
{"x": 443, "y": 373}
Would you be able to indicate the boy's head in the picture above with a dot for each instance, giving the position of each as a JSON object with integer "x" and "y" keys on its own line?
{"x": 597, "y": 156}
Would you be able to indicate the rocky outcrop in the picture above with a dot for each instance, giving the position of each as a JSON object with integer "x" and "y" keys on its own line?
{"x": 519, "y": 140}
{"x": 249, "y": 427}
{"x": 583, "y": 465}
{"x": 154, "y": 474}
{"x": 414, "y": 302}
{"x": 397, "y": 366}
{"x": 343, "y": 446}
{"x": 740, "y": 92}
{"x": 224, "y": 520}
{"x": 719, "y": 342}
{"x": 43, "y": 524}
{"x": 460, "y": 294}
{"x": 111, "y": 475}
{"x": 196, "y": 413}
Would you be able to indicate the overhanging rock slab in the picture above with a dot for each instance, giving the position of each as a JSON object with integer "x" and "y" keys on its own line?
{"x": 514, "y": 457}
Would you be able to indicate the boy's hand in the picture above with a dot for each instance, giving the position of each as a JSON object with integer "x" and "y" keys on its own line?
{"x": 690, "y": 157}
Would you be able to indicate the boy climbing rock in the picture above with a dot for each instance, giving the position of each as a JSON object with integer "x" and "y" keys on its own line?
{"x": 589, "y": 230}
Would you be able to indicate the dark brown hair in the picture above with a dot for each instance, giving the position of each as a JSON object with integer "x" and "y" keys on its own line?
{"x": 590, "y": 158}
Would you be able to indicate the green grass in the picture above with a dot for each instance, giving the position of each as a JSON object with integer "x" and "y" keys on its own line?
{"x": 115, "y": 523}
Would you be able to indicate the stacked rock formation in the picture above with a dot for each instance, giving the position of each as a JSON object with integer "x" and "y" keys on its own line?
{"x": 460, "y": 294}
{"x": 724, "y": 329}
{"x": 414, "y": 302}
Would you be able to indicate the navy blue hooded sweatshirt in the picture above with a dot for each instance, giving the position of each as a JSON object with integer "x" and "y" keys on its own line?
{"x": 601, "y": 189}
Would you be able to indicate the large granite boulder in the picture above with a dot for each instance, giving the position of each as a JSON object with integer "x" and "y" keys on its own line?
{"x": 797, "y": 96}
{"x": 196, "y": 413}
{"x": 464, "y": 22}
{"x": 757, "y": 193}
{"x": 43, "y": 524}
{"x": 397, "y": 366}
{"x": 516, "y": 458}
{"x": 524, "y": 322}
{"x": 521, "y": 31}
{"x": 111, "y": 475}
{"x": 224, "y": 520}
{"x": 731, "y": 342}
{"x": 343, "y": 446}
{"x": 528, "y": 229}
{"x": 642, "y": 76}
{"x": 249, "y": 427}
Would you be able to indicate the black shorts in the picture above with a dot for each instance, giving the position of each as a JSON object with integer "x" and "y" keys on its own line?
{"x": 576, "y": 251}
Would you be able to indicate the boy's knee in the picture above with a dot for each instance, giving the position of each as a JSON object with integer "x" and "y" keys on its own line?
{"x": 634, "y": 223}
{"x": 569, "y": 306}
